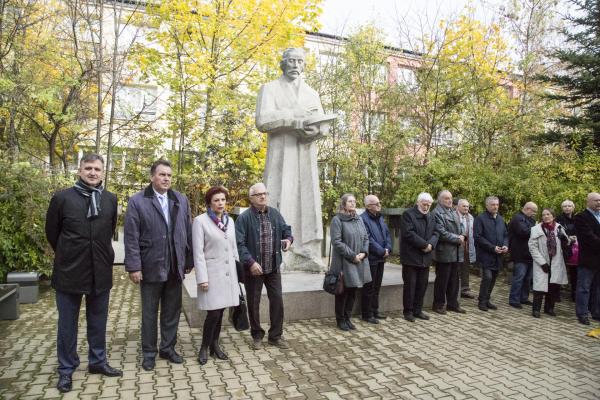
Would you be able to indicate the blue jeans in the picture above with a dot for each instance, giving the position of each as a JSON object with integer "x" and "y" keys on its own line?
{"x": 96, "y": 313}
{"x": 521, "y": 281}
{"x": 587, "y": 296}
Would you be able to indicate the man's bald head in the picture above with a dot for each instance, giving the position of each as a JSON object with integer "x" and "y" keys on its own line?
{"x": 593, "y": 201}
{"x": 530, "y": 209}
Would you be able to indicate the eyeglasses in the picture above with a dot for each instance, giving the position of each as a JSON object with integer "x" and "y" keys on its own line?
{"x": 260, "y": 194}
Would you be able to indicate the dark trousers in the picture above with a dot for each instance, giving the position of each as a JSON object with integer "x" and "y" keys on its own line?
{"x": 211, "y": 329}
{"x": 464, "y": 273}
{"x": 344, "y": 303}
{"x": 551, "y": 295}
{"x": 445, "y": 288}
{"x": 415, "y": 285}
{"x": 168, "y": 296}
{"x": 370, "y": 291}
{"x": 488, "y": 280}
{"x": 96, "y": 313}
{"x": 572, "y": 273}
{"x": 588, "y": 292}
{"x": 254, "y": 285}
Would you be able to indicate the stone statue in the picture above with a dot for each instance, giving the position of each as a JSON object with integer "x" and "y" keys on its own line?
{"x": 290, "y": 112}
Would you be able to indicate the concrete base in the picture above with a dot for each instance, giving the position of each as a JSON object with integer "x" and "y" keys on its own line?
{"x": 304, "y": 297}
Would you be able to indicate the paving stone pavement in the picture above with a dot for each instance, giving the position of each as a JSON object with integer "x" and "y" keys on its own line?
{"x": 503, "y": 354}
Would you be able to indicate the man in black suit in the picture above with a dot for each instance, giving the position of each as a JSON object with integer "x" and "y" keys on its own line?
{"x": 587, "y": 224}
{"x": 79, "y": 226}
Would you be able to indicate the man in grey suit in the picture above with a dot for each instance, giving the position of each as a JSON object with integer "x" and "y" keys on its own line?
{"x": 158, "y": 252}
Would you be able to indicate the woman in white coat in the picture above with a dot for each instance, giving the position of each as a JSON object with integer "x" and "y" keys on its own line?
{"x": 549, "y": 271}
{"x": 215, "y": 254}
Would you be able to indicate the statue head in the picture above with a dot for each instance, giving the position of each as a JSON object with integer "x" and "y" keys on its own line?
{"x": 292, "y": 62}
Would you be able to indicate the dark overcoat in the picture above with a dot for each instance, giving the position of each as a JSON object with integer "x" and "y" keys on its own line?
{"x": 146, "y": 234}
{"x": 489, "y": 233}
{"x": 417, "y": 231}
{"x": 588, "y": 236}
{"x": 83, "y": 253}
{"x": 519, "y": 230}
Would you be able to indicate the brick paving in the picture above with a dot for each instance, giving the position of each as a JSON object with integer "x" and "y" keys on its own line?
{"x": 503, "y": 354}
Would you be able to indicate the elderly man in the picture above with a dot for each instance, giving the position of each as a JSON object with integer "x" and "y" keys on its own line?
{"x": 567, "y": 220}
{"x": 262, "y": 235}
{"x": 286, "y": 109}
{"x": 380, "y": 246}
{"x": 158, "y": 252}
{"x": 468, "y": 248}
{"x": 418, "y": 240}
{"x": 587, "y": 224}
{"x": 519, "y": 230}
{"x": 448, "y": 255}
{"x": 79, "y": 226}
{"x": 491, "y": 243}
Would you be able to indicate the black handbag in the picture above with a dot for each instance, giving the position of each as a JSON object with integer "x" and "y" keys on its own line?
{"x": 333, "y": 283}
{"x": 240, "y": 271}
{"x": 238, "y": 315}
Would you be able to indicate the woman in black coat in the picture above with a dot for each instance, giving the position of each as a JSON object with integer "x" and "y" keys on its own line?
{"x": 418, "y": 240}
{"x": 567, "y": 220}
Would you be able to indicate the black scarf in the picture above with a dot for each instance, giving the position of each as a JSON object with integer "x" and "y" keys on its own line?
{"x": 94, "y": 193}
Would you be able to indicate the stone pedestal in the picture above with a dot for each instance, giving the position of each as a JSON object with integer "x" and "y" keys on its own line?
{"x": 304, "y": 297}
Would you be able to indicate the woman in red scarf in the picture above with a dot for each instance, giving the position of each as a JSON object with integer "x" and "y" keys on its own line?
{"x": 549, "y": 271}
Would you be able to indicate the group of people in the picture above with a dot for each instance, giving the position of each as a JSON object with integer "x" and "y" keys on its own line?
{"x": 541, "y": 253}
{"x": 163, "y": 243}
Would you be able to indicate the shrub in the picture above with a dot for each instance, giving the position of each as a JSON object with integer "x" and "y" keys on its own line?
{"x": 25, "y": 192}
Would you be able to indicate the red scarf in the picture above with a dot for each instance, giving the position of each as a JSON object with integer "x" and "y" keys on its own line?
{"x": 549, "y": 230}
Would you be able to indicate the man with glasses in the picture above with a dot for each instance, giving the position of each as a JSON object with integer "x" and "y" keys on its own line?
{"x": 262, "y": 235}
{"x": 380, "y": 246}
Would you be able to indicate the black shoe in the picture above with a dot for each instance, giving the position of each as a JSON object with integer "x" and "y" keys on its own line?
{"x": 536, "y": 314}
{"x": 595, "y": 318}
{"x": 371, "y": 320}
{"x": 422, "y": 316}
{"x": 105, "y": 370}
{"x": 550, "y": 313}
{"x": 409, "y": 317}
{"x": 203, "y": 356}
{"x": 343, "y": 325}
{"x": 148, "y": 364}
{"x": 467, "y": 295}
{"x": 492, "y": 306}
{"x": 379, "y": 315}
{"x": 215, "y": 351}
{"x": 439, "y": 310}
{"x": 172, "y": 357}
{"x": 583, "y": 320}
{"x": 457, "y": 310}
{"x": 527, "y": 303}
{"x": 350, "y": 325}
{"x": 515, "y": 305}
{"x": 483, "y": 307}
{"x": 65, "y": 383}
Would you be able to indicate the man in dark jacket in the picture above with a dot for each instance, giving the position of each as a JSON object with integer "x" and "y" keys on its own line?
{"x": 587, "y": 224}
{"x": 380, "y": 247}
{"x": 491, "y": 240}
{"x": 262, "y": 234}
{"x": 158, "y": 252}
{"x": 79, "y": 226}
{"x": 519, "y": 230}
{"x": 417, "y": 242}
{"x": 448, "y": 255}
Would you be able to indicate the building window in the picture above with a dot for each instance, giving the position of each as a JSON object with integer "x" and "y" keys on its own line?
{"x": 136, "y": 100}
{"x": 406, "y": 77}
